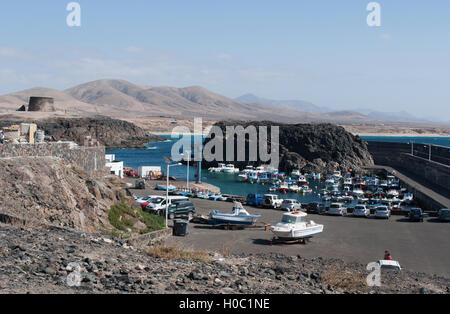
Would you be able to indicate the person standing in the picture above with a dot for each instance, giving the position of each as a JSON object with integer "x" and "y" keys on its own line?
{"x": 2, "y": 137}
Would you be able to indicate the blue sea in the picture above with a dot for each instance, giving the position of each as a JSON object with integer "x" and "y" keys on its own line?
{"x": 154, "y": 153}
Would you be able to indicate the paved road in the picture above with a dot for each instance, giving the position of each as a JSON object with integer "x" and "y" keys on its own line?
{"x": 422, "y": 247}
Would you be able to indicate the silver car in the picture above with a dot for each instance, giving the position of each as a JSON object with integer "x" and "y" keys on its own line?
{"x": 383, "y": 212}
{"x": 291, "y": 205}
{"x": 337, "y": 209}
{"x": 361, "y": 211}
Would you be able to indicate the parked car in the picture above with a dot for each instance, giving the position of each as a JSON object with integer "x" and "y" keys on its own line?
{"x": 415, "y": 214}
{"x": 361, "y": 211}
{"x": 179, "y": 209}
{"x": 337, "y": 209}
{"x": 291, "y": 205}
{"x": 272, "y": 201}
{"x": 156, "y": 205}
{"x": 383, "y": 212}
{"x": 444, "y": 214}
{"x": 140, "y": 184}
{"x": 255, "y": 199}
{"x": 316, "y": 208}
{"x": 389, "y": 265}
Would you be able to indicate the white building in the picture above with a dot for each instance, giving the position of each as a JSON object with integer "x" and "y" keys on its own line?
{"x": 116, "y": 167}
{"x": 110, "y": 157}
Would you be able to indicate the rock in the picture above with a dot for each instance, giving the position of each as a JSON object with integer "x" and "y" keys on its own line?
{"x": 309, "y": 147}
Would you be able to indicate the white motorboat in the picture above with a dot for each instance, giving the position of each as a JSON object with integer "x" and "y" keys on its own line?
{"x": 392, "y": 193}
{"x": 295, "y": 174}
{"x": 293, "y": 188}
{"x": 239, "y": 216}
{"x": 294, "y": 226}
{"x": 230, "y": 169}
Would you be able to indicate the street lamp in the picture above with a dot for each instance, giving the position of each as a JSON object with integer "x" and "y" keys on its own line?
{"x": 168, "y": 161}
{"x": 188, "y": 154}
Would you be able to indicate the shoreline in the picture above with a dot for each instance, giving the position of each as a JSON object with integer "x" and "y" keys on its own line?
{"x": 401, "y": 135}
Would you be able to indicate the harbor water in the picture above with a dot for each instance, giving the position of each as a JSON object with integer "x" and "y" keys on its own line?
{"x": 153, "y": 155}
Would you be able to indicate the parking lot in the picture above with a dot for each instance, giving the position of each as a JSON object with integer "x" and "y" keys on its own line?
{"x": 422, "y": 247}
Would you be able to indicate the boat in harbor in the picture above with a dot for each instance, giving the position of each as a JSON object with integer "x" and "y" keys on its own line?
{"x": 295, "y": 174}
{"x": 242, "y": 177}
{"x": 164, "y": 188}
{"x": 294, "y": 226}
{"x": 230, "y": 169}
{"x": 239, "y": 216}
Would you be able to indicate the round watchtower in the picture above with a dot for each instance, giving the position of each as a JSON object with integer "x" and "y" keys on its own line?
{"x": 43, "y": 104}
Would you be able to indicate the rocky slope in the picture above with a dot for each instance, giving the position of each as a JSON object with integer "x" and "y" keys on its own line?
{"x": 311, "y": 147}
{"x": 37, "y": 261}
{"x": 109, "y": 132}
{"x": 52, "y": 191}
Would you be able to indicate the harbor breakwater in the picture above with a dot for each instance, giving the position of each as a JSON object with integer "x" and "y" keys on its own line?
{"x": 414, "y": 160}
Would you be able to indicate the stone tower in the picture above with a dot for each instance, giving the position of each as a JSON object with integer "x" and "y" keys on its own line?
{"x": 43, "y": 104}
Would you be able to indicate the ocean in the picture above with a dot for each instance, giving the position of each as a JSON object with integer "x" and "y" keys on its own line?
{"x": 154, "y": 153}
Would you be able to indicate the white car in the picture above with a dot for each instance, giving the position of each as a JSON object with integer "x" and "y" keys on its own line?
{"x": 383, "y": 212}
{"x": 291, "y": 205}
{"x": 361, "y": 211}
{"x": 386, "y": 264}
{"x": 272, "y": 201}
{"x": 159, "y": 203}
{"x": 337, "y": 209}
{"x": 145, "y": 199}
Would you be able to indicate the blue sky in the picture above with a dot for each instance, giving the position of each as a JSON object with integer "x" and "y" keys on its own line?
{"x": 316, "y": 50}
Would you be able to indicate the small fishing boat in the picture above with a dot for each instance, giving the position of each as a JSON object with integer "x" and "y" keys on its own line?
{"x": 295, "y": 174}
{"x": 294, "y": 226}
{"x": 242, "y": 177}
{"x": 305, "y": 189}
{"x": 293, "y": 188}
{"x": 230, "y": 169}
{"x": 302, "y": 181}
{"x": 239, "y": 216}
{"x": 164, "y": 188}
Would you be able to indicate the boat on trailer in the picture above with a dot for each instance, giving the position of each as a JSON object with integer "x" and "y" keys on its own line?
{"x": 294, "y": 226}
{"x": 239, "y": 216}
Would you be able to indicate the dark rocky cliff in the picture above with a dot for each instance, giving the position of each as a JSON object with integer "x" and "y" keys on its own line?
{"x": 111, "y": 133}
{"x": 312, "y": 147}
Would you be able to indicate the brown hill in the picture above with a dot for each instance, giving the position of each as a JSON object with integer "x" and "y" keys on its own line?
{"x": 119, "y": 98}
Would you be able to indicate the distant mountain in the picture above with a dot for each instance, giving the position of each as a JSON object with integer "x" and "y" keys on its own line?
{"x": 292, "y": 104}
{"x": 119, "y": 98}
{"x": 400, "y": 116}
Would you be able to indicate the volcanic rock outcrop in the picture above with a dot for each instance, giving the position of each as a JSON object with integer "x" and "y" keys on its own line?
{"x": 308, "y": 147}
{"x": 109, "y": 132}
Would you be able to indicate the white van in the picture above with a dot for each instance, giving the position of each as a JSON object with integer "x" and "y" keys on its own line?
{"x": 157, "y": 204}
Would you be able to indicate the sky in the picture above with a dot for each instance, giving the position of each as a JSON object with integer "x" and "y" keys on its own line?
{"x": 320, "y": 51}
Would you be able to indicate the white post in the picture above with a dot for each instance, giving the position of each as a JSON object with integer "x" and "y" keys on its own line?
{"x": 412, "y": 148}
{"x": 188, "y": 164}
{"x": 429, "y": 153}
{"x": 167, "y": 197}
